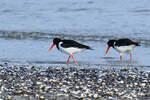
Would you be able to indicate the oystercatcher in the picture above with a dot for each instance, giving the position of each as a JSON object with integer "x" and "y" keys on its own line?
{"x": 123, "y": 45}
{"x": 69, "y": 47}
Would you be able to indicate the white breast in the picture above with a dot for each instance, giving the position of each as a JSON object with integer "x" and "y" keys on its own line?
{"x": 125, "y": 49}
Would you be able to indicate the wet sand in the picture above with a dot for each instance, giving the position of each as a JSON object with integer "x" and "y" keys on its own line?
{"x": 24, "y": 82}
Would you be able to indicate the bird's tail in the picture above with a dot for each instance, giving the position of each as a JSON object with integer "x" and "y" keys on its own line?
{"x": 90, "y": 48}
{"x": 137, "y": 44}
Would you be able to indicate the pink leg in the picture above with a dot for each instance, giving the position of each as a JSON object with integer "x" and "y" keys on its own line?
{"x": 74, "y": 61}
{"x": 68, "y": 60}
{"x": 120, "y": 57}
{"x": 130, "y": 56}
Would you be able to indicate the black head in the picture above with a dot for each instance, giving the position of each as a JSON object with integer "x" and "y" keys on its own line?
{"x": 111, "y": 43}
{"x": 56, "y": 40}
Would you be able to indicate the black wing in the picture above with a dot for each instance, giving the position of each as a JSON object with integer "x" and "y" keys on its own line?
{"x": 71, "y": 43}
{"x": 125, "y": 42}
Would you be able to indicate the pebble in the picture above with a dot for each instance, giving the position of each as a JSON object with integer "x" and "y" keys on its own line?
{"x": 95, "y": 96}
{"x": 75, "y": 92}
{"x": 143, "y": 84}
{"x": 39, "y": 83}
{"x": 42, "y": 97}
{"x": 85, "y": 83}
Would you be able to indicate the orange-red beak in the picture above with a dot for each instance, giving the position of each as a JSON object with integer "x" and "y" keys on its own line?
{"x": 107, "y": 50}
{"x": 51, "y": 47}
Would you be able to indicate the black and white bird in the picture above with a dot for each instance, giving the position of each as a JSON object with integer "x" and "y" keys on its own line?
{"x": 123, "y": 45}
{"x": 69, "y": 47}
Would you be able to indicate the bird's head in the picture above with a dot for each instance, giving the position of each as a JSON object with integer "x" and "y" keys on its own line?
{"x": 55, "y": 42}
{"x": 110, "y": 43}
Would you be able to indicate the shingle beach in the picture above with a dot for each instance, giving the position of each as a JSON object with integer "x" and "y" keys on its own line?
{"x": 23, "y": 82}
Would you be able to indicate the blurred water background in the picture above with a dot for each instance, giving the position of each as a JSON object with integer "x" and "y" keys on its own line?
{"x": 27, "y": 28}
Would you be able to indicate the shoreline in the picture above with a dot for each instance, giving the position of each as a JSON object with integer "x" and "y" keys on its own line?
{"x": 72, "y": 83}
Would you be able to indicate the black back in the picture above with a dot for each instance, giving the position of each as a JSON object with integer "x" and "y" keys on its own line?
{"x": 72, "y": 43}
{"x": 125, "y": 42}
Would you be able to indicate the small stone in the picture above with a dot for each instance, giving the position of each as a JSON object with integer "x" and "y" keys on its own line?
{"x": 75, "y": 92}
{"x": 77, "y": 87}
{"x": 46, "y": 79}
{"x": 141, "y": 94}
{"x": 83, "y": 95}
{"x": 135, "y": 84}
{"x": 60, "y": 94}
{"x": 110, "y": 98}
{"x": 46, "y": 88}
{"x": 9, "y": 97}
{"x": 120, "y": 94}
{"x": 143, "y": 84}
{"x": 42, "y": 97}
{"x": 64, "y": 90}
{"x": 38, "y": 83}
{"x": 26, "y": 95}
{"x": 90, "y": 94}
{"x": 1, "y": 80}
{"x": 103, "y": 83}
{"x": 121, "y": 82}
{"x": 95, "y": 96}
{"x": 37, "y": 95}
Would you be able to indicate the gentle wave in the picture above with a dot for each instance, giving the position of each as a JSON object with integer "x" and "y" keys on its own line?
{"x": 51, "y": 35}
